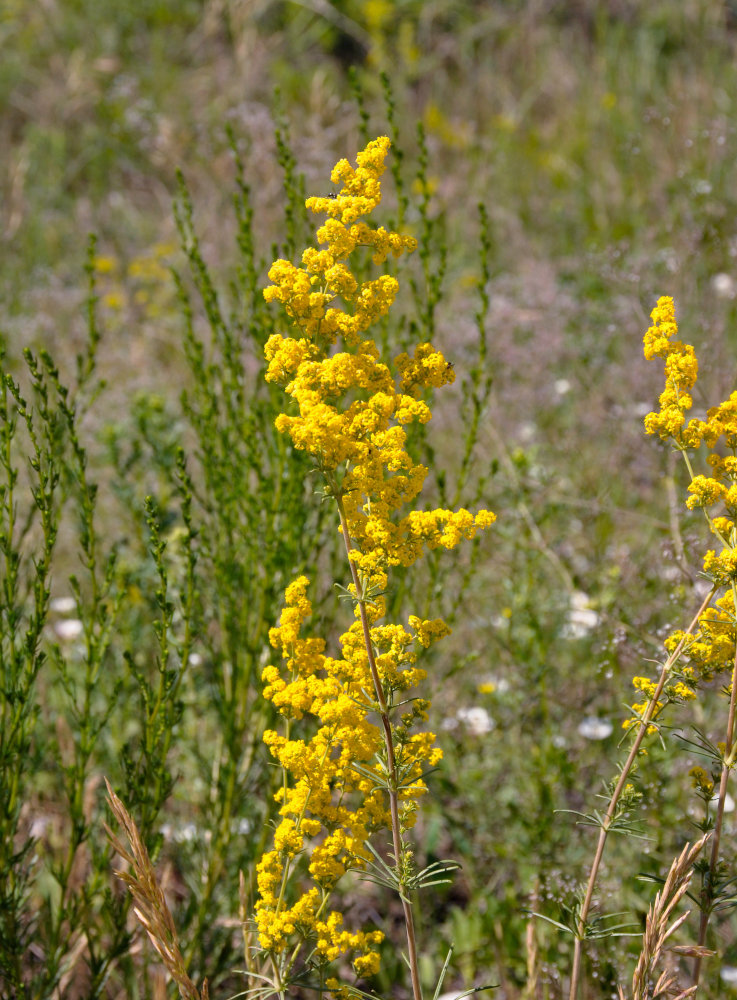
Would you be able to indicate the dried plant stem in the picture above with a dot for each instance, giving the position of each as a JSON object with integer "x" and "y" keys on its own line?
{"x": 390, "y": 756}
{"x": 657, "y": 930}
{"x": 643, "y": 726}
{"x": 533, "y": 962}
{"x": 707, "y": 889}
{"x": 149, "y": 904}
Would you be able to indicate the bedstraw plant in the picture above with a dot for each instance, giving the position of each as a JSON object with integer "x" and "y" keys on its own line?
{"x": 351, "y": 745}
{"x": 705, "y": 650}
{"x": 362, "y": 770}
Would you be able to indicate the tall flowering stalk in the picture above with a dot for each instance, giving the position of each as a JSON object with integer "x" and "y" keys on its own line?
{"x": 708, "y": 647}
{"x": 361, "y": 770}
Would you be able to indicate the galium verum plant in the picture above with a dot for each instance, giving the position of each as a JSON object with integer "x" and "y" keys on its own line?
{"x": 360, "y": 772}
{"x": 708, "y": 647}
{"x": 711, "y": 648}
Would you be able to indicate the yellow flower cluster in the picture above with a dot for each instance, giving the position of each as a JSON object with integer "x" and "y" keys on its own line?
{"x": 328, "y": 795}
{"x": 350, "y": 410}
{"x": 681, "y": 370}
{"x": 307, "y": 293}
{"x": 647, "y": 688}
{"x": 701, "y": 781}
{"x": 712, "y": 648}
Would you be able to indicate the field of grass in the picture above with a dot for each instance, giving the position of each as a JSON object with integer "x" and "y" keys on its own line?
{"x": 561, "y": 167}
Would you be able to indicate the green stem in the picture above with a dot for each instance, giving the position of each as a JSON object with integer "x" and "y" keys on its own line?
{"x": 390, "y": 756}
{"x": 707, "y": 890}
{"x": 644, "y": 725}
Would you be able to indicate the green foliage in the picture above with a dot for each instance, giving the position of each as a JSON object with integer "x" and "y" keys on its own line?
{"x": 143, "y": 481}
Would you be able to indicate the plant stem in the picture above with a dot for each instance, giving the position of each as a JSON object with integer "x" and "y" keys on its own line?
{"x": 612, "y": 807}
{"x": 707, "y": 889}
{"x": 390, "y": 758}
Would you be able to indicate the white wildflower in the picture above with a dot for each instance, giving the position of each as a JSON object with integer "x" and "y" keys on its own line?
{"x": 68, "y": 629}
{"x": 594, "y": 728}
{"x": 581, "y": 618}
{"x": 63, "y": 605}
{"x": 477, "y": 720}
{"x": 724, "y": 286}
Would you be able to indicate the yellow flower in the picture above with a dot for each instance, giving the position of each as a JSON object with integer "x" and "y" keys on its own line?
{"x": 712, "y": 648}
{"x": 706, "y": 492}
{"x": 349, "y": 409}
{"x": 104, "y": 264}
{"x": 681, "y": 370}
{"x": 645, "y": 685}
{"x": 701, "y": 781}
{"x": 113, "y": 300}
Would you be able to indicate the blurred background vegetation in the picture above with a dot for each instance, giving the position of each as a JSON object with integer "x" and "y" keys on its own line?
{"x": 562, "y": 165}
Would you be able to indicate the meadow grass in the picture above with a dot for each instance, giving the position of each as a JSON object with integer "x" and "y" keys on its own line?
{"x": 570, "y": 167}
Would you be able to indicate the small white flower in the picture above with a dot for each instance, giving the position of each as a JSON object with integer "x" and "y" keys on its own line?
{"x": 68, "y": 629}
{"x": 477, "y": 720}
{"x": 38, "y": 827}
{"x": 562, "y": 386}
{"x": 669, "y": 258}
{"x": 702, "y": 187}
{"x": 581, "y": 618}
{"x": 641, "y": 409}
{"x": 195, "y": 659}
{"x": 593, "y": 728}
{"x": 527, "y": 431}
{"x": 724, "y": 286}
{"x": 729, "y": 974}
{"x": 728, "y": 802}
{"x": 63, "y": 605}
{"x": 180, "y": 834}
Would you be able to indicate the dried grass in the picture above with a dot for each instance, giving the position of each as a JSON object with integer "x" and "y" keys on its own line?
{"x": 647, "y": 983}
{"x": 149, "y": 904}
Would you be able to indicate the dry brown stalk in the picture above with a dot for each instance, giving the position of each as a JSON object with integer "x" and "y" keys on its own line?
{"x": 149, "y": 904}
{"x": 533, "y": 963}
{"x": 643, "y": 728}
{"x": 646, "y": 983}
{"x": 707, "y": 888}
